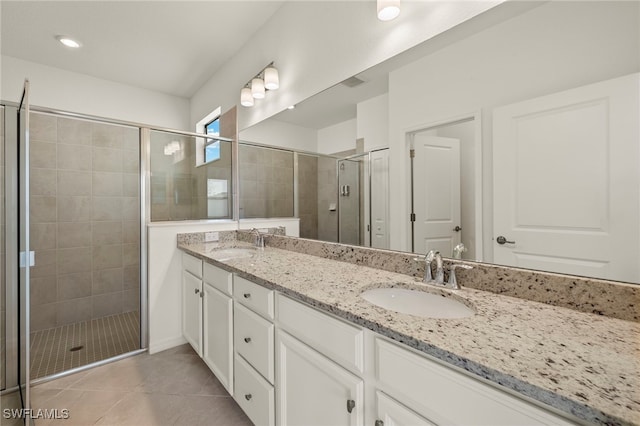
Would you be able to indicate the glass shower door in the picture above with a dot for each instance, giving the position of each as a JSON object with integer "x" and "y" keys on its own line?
{"x": 25, "y": 253}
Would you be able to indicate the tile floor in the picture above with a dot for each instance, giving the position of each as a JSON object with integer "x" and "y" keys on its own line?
{"x": 74, "y": 345}
{"x": 174, "y": 387}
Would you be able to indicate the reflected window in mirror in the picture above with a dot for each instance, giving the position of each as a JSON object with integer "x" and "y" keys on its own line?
{"x": 212, "y": 146}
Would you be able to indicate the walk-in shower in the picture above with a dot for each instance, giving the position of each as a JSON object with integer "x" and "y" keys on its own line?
{"x": 85, "y": 231}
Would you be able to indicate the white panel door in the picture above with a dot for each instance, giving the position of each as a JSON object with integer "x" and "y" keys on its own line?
{"x": 567, "y": 183}
{"x": 436, "y": 193}
{"x": 312, "y": 390}
{"x": 379, "y": 191}
{"x": 217, "y": 335}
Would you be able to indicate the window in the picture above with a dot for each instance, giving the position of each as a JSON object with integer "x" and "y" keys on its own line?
{"x": 212, "y": 146}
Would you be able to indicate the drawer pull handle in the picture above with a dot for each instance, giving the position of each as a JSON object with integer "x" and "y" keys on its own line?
{"x": 379, "y": 423}
{"x": 247, "y": 339}
{"x": 247, "y": 295}
{"x": 248, "y": 397}
{"x": 350, "y": 405}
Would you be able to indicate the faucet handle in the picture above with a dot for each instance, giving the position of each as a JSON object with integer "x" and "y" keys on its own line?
{"x": 453, "y": 282}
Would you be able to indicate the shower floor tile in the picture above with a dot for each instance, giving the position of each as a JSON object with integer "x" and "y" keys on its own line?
{"x": 74, "y": 345}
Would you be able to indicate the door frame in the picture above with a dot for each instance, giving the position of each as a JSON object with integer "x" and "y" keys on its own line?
{"x": 476, "y": 117}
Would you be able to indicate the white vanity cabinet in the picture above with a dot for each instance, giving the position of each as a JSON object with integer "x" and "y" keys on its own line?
{"x": 192, "y": 301}
{"x": 444, "y": 395}
{"x": 207, "y": 315}
{"x": 217, "y": 329}
{"x": 254, "y": 350}
{"x": 318, "y": 362}
{"x": 390, "y": 412}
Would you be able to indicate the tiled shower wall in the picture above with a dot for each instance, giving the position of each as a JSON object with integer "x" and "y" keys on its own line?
{"x": 85, "y": 220}
{"x": 308, "y": 195}
{"x": 327, "y": 195}
{"x": 266, "y": 182}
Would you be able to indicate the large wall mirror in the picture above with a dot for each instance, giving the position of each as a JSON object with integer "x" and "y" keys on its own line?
{"x": 516, "y": 136}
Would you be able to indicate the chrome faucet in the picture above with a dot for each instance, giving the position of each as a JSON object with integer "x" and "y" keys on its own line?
{"x": 428, "y": 258}
{"x": 439, "y": 269}
{"x": 259, "y": 241}
{"x": 428, "y": 276}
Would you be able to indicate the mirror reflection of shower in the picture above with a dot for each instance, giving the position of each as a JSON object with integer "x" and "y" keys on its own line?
{"x": 363, "y": 192}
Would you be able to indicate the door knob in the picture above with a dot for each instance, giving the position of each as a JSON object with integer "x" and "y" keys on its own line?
{"x": 350, "y": 405}
{"x": 502, "y": 240}
{"x": 457, "y": 228}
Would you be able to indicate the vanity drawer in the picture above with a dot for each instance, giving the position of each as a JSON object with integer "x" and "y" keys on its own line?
{"x": 253, "y": 339}
{"x": 436, "y": 392}
{"x": 338, "y": 340}
{"x": 254, "y": 394}
{"x": 192, "y": 264}
{"x": 218, "y": 278}
{"x": 254, "y": 296}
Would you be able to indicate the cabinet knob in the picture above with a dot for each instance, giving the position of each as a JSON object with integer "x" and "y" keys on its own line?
{"x": 247, "y": 339}
{"x": 196, "y": 291}
{"x": 350, "y": 405}
{"x": 379, "y": 423}
{"x": 248, "y": 397}
{"x": 247, "y": 295}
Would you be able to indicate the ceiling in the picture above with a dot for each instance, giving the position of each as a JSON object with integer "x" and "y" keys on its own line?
{"x": 172, "y": 47}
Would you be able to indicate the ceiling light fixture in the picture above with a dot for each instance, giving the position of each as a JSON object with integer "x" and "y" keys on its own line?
{"x": 256, "y": 88}
{"x": 388, "y": 9}
{"x": 67, "y": 41}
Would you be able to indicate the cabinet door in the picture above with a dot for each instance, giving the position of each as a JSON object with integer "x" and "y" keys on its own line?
{"x": 217, "y": 333}
{"x": 391, "y": 413}
{"x": 312, "y": 390}
{"x": 192, "y": 310}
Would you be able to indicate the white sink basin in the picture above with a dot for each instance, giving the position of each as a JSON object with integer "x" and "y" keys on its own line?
{"x": 417, "y": 302}
{"x": 232, "y": 253}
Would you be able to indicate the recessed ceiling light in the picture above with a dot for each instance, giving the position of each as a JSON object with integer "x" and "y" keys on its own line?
{"x": 291, "y": 107}
{"x": 67, "y": 41}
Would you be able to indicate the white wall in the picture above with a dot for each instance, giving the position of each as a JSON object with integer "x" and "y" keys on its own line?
{"x": 79, "y": 93}
{"x": 337, "y": 138}
{"x": 373, "y": 122}
{"x": 317, "y": 44}
{"x": 278, "y": 133}
{"x": 556, "y": 46}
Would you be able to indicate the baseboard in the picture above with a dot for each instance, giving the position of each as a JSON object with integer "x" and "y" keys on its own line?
{"x": 163, "y": 345}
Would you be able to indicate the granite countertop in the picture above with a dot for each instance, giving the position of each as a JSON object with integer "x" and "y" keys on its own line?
{"x": 580, "y": 363}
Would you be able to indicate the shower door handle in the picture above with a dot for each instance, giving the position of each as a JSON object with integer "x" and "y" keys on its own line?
{"x": 27, "y": 260}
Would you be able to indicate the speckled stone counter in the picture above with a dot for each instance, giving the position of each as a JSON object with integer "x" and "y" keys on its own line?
{"x": 580, "y": 363}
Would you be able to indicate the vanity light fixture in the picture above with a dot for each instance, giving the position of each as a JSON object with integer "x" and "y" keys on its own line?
{"x": 388, "y": 9}
{"x": 271, "y": 80}
{"x": 256, "y": 88}
{"x": 246, "y": 98}
{"x": 68, "y": 41}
